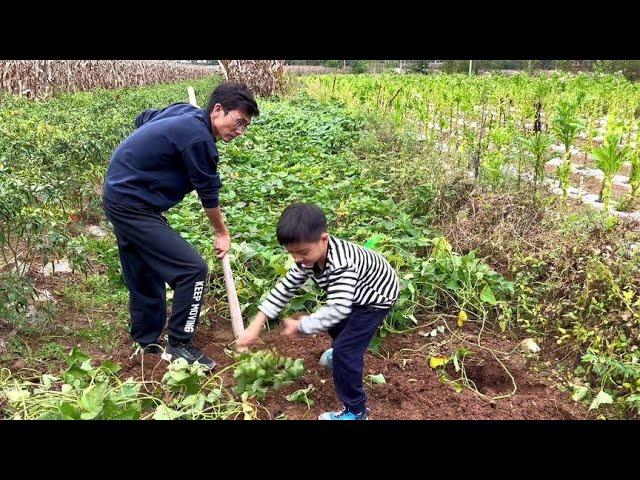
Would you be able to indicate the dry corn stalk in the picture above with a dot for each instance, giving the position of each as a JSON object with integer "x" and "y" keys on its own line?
{"x": 42, "y": 78}
{"x": 264, "y": 77}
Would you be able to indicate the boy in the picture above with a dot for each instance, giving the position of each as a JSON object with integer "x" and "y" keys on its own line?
{"x": 361, "y": 289}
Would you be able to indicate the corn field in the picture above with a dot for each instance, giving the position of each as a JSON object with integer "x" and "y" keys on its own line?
{"x": 43, "y": 78}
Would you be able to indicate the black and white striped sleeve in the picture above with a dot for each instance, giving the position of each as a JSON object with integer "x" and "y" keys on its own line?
{"x": 340, "y": 294}
{"x": 284, "y": 291}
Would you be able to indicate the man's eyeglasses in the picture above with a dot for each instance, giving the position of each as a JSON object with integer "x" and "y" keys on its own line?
{"x": 240, "y": 124}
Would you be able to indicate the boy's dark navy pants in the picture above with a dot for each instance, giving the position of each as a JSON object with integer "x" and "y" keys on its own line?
{"x": 152, "y": 254}
{"x": 351, "y": 338}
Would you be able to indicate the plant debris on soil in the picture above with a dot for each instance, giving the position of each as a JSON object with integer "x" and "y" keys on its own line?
{"x": 412, "y": 390}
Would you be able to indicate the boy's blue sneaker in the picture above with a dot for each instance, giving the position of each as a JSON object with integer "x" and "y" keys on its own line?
{"x": 326, "y": 359}
{"x": 343, "y": 414}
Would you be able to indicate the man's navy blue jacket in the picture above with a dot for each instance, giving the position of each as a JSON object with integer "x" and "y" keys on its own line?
{"x": 171, "y": 153}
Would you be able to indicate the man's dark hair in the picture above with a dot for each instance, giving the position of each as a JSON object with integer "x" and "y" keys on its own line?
{"x": 301, "y": 222}
{"x": 234, "y": 96}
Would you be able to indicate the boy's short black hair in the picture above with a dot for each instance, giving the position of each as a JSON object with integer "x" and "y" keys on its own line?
{"x": 301, "y": 222}
{"x": 234, "y": 96}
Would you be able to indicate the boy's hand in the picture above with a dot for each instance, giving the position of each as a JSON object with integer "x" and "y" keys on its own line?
{"x": 247, "y": 338}
{"x": 291, "y": 327}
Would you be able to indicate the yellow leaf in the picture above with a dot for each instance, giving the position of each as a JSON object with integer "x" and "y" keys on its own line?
{"x": 436, "y": 362}
{"x": 462, "y": 317}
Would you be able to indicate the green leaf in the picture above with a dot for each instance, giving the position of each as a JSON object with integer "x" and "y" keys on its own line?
{"x": 90, "y": 415}
{"x": 129, "y": 389}
{"x": 76, "y": 357}
{"x": 86, "y": 365}
{"x": 375, "y": 343}
{"x": 452, "y": 285}
{"x": 48, "y": 380}
{"x": 602, "y": 398}
{"x": 373, "y": 241}
{"x": 214, "y": 396}
{"x": 68, "y": 411}
{"x": 113, "y": 411}
{"x": 302, "y": 396}
{"x": 191, "y": 400}
{"x": 579, "y": 393}
{"x": 111, "y": 367}
{"x": 378, "y": 379}
{"x": 92, "y": 398}
{"x": 75, "y": 374}
{"x": 487, "y": 296}
{"x": 165, "y": 413}
{"x": 50, "y": 416}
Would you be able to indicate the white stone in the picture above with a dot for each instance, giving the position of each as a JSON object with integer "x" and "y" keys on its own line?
{"x": 557, "y": 148}
{"x": 623, "y": 186}
{"x": 61, "y": 266}
{"x": 529, "y": 345}
{"x": 96, "y": 231}
{"x": 595, "y": 204}
{"x": 618, "y": 179}
{"x": 45, "y": 296}
{"x": 630, "y": 215}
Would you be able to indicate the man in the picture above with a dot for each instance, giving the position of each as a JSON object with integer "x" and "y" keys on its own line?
{"x": 171, "y": 153}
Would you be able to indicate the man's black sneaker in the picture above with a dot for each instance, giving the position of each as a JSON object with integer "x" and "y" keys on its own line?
{"x": 189, "y": 352}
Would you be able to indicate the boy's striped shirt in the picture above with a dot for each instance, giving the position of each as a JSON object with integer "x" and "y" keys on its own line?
{"x": 353, "y": 276}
